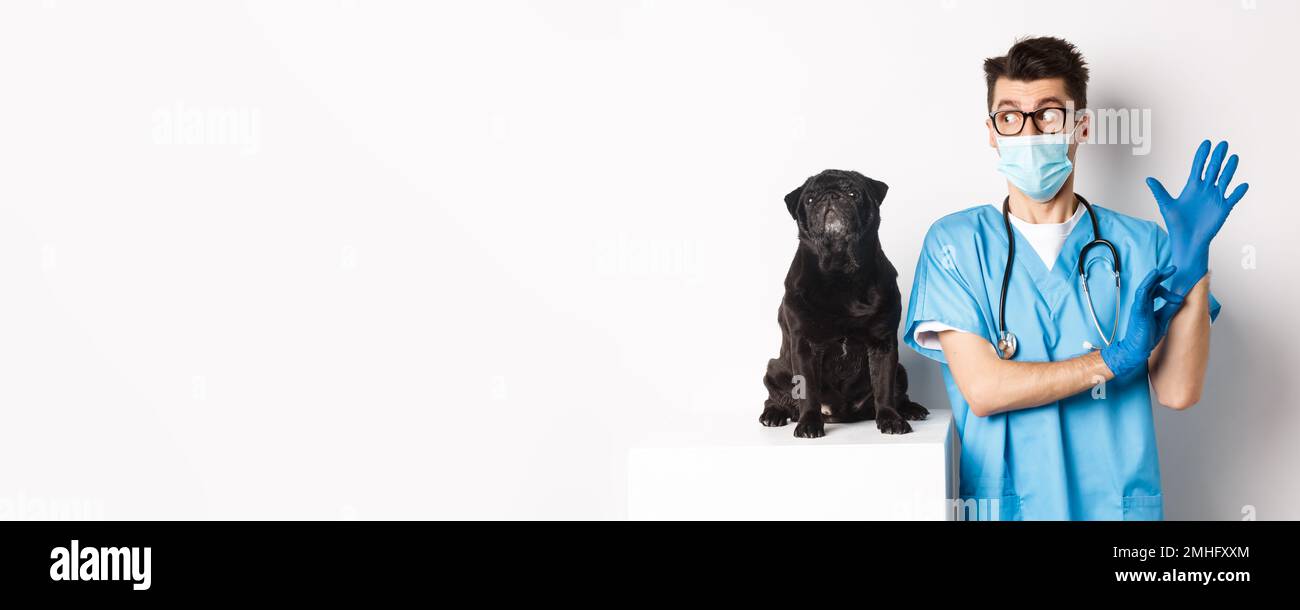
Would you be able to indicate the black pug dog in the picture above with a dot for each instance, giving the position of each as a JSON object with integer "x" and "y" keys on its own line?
{"x": 839, "y": 317}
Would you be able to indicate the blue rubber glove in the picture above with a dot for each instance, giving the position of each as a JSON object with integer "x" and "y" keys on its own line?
{"x": 1146, "y": 324}
{"x": 1195, "y": 217}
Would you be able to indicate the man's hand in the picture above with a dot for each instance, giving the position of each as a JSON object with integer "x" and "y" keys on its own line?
{"x": 1195, "y": 217}
{"x": 1146, "y": 324}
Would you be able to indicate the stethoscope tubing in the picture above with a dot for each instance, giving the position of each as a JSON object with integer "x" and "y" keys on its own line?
{"x": 1006, "y": 340}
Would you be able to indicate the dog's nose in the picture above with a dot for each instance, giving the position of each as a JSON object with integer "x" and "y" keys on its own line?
{"x": 834, "y": 221}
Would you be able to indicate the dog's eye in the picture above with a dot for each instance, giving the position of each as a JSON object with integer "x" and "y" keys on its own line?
{"x": 853, "y": 193}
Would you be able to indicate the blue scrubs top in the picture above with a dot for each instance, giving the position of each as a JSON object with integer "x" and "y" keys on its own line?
{"x": 1091, "y": 456}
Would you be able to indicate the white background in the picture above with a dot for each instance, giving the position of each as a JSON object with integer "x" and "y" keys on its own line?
{"x": 468, "y": 252}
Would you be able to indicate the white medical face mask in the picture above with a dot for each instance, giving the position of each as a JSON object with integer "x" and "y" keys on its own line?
{"x": 1037, "y": 165}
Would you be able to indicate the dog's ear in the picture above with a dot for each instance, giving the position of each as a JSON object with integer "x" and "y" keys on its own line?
{"x": 792, "y": 202}
{"x": 875, "y": 188}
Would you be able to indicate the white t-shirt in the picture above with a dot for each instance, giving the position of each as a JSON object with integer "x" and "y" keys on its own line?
{"x": 1046, "y": 239}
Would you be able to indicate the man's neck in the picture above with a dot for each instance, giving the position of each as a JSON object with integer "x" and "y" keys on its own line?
{"x": 1055, "y": 211}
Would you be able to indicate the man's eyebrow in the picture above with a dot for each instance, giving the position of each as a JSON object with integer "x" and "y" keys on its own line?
{"x": 1044, "y": 102}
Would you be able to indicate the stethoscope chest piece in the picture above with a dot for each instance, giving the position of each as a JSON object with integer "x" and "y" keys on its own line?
{"x": 1006, "y": 345}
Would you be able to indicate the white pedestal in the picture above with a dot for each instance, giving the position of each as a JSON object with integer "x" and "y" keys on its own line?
{"x": 733, "y": 468}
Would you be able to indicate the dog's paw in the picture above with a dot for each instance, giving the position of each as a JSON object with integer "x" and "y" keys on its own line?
{"x": 913, "y": 411}
{"x": 773, "y": 417}
{"x": 810, "y": 427}
{"x": 890, "y": 422}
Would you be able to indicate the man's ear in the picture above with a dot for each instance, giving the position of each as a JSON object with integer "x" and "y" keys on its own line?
{"x": 792, "y": 202}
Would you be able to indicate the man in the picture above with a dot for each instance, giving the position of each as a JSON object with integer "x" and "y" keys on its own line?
{"x": 1052, "y": 404}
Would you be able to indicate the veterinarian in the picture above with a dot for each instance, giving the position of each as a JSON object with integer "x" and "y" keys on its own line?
{"x": 1049, "y": 381}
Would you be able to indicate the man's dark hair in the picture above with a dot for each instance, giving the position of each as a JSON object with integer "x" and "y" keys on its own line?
{"x": 1039, "y": 58}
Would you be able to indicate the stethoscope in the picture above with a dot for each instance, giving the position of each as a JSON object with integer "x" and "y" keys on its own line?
{"x": 1007, "y": 340}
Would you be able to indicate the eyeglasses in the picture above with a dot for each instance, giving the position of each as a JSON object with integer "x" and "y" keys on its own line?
{"x": 1049, "y": 120}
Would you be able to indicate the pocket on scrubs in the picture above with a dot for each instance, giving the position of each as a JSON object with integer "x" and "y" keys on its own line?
{"x": 993, "y": 501}
{"x": 1144, "y": 508}
{"x": 986, "y": 508}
